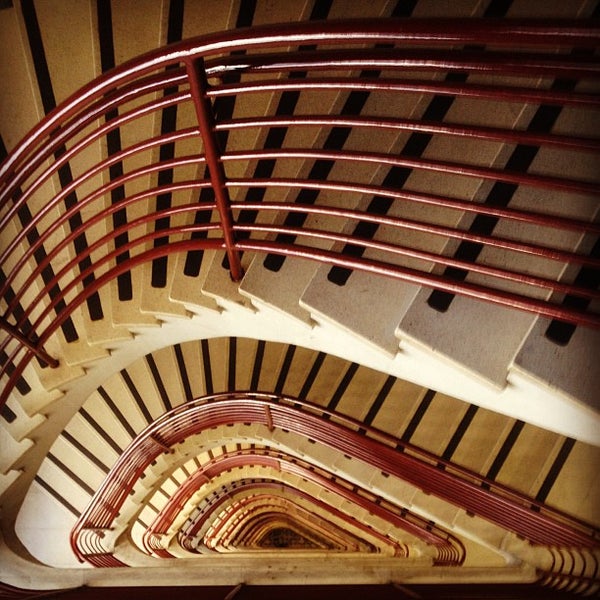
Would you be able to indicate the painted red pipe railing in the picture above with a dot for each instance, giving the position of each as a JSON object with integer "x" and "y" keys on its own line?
{"x": 461, "y": 487}
{"x": 571, "y": 574}
{"x": 41, "y": 294}
{"x": 188, "y": 538}
{"x": 449, "y": 548}
{"x": 231, "y": 522}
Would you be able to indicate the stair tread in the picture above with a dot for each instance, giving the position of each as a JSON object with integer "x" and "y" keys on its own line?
{"x": 188, "y": 290}
{"x": 463, "y": 334}
{"x": 157, "y": 301}
{"x": 218, "y": 284}
{"x": 23, "y": 424}
{"x": 573, "y": 368}
{"x": 66, "y": 487}
{"x": 279, "y": 290}
{"x": 103, "y": 333}
{"x": 12, "y": 450}
{"x": 128, "y": 313}
{"x": 19, "y": 100}
{"x": 52, "y": 379}
{"x": 80, "y": 353}
{"x": 360, "y": 307}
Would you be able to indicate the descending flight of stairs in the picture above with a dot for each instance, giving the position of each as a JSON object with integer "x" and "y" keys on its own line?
{"x": 509, "y": 395}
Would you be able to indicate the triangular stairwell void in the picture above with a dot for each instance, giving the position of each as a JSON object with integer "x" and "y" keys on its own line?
{"x": 299, "y": 299}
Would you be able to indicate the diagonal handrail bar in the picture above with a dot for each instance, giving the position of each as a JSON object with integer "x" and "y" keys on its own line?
{"x": 213, "y": 154}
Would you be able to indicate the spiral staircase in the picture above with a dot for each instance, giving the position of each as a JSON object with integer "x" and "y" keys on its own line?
{"x": 299, "y": 298}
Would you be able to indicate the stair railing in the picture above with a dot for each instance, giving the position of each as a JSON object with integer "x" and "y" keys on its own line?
{"x": 59, "y": 250}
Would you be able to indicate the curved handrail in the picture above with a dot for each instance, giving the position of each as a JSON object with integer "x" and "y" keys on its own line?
{"x": 457, "y": 485}
{"x": 260, "y": 508}
{"x": 185, "y": 539}
{"x": 198, "y": 72}
{"x": 402, "y": 518}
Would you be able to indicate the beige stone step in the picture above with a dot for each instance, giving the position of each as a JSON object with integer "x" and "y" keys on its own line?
{"x": 52, "y": 379}
{"x": 66, "y": 487}
{"x": 82, "y": 429}
{"x": 64, "y": 83}
{"x": 218, "y": 284}
{"x": 570, "y": 368}
{"x": 187, "y": 290}
{"x": 104, "y": 333}
{"x": 18, "y": 99}
{"x": 482, "y": 441}
{"x": 38, "y": 398}
{"x": 129, "y": 314}
{"x": 77, "y": 462}
{"x": 12, "y": 450}
{"x": 576, "y": 488}
{"x": 279, "y": 289}
{"x": 462, "y": 331}
{"x": 354, "y": 304}
{"x": 528, "y": 456}
{"x": 23, "y": 424}
{"x": 120, "y": 395}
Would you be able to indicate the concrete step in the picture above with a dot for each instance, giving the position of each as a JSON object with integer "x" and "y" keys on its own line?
{"x": 68, "y": 488}
{"x": 37, "y": 398}
{"x": 75, "y": 461}
{"x": 354, "y": 304}
{"x": 18, "y": 99}
{"x": 52, "y": 379}
{"x": 81, "y": 427}
{"x": 104, "y": 333}
{"x": 218, "y": 284}
{"x": 128, "y": 314}
{"x": 278, "y": 288}
{"x": 530, "y": 460}
{"x": 135, "y": 415}
{"x": 21, "y": 424}
{"x": 187, "y": 290}
{"x": 576, "y": 487}
{"x": 12, "y": 450}
{"x": 464, "y": 331}
{"x": 571, "y": 368}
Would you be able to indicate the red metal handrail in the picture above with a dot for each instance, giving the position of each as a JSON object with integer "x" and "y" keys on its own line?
{"x": 457, "y": 485}
{"x": 401, "y": 518}
{"x": 416, "y": 86}
{"x": 198, "y": 68}
{"x": 185, "y": 538}
{"x": 232, "y": 520}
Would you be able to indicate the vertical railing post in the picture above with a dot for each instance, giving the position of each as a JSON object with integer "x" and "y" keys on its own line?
{"x": 206, "y": 121}
{"x": 269, "y": 417}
